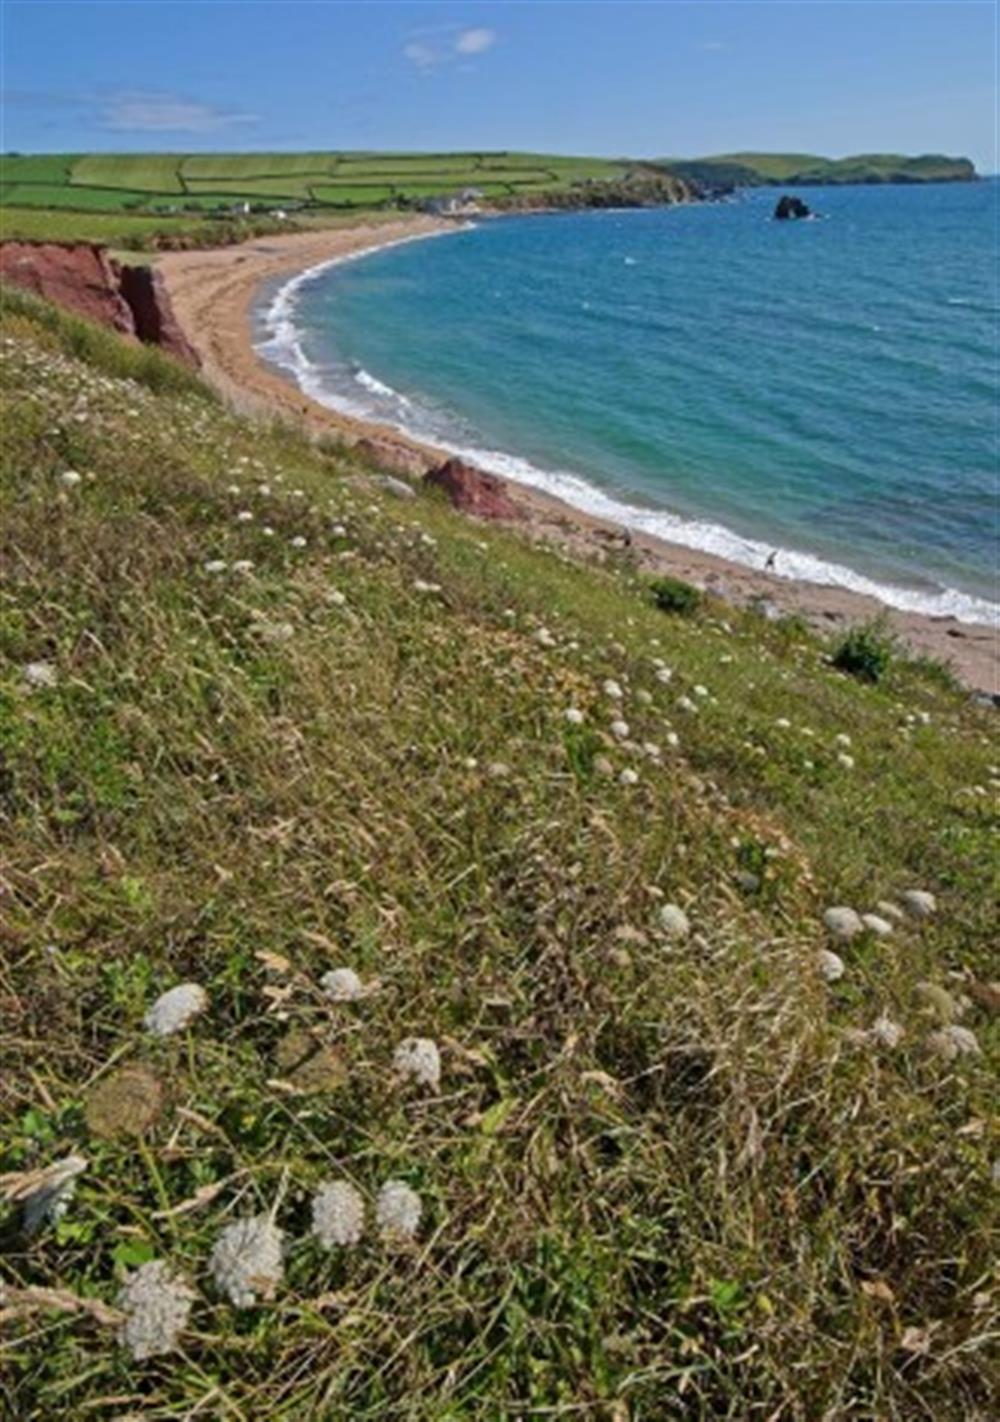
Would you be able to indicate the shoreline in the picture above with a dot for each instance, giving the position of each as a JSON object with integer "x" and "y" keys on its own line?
{"x": 213, "y": 293}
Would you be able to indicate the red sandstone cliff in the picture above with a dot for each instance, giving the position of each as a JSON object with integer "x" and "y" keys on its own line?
{"x": 83, "y": 278}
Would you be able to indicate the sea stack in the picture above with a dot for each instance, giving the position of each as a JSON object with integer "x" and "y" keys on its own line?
{"x": 789, "y": 206}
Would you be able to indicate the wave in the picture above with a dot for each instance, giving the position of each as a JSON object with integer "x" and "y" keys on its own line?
{"x": 367, "y": 397}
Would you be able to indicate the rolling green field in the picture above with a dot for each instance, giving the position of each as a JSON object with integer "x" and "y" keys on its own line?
{"x": 252, "y": 177}
{"x": 684, "y": 1152}
{"x": 57, "y": 196}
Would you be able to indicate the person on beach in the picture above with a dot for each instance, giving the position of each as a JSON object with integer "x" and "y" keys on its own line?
{"x": 771, "y": 564}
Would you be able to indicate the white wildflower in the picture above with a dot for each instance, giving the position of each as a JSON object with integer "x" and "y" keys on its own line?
{"x": 783, "y": 723}
{"x": 267, "y": 531}
{"x": 215, "y": 565}
{"x": 70, "y": 478}
{"x": 613, "y": 690}
{"x": 885, "y": 1032}
{"x": 651, "y": 749}
{"x": 52, "y": 1191}
{"x": 275, "y": 631}
{"x": 298, "y": 541}
{"x": 173, "y": 1010}
{"x": 244, "y": 516}
{"x": 336, "y": 597}
{"x": 264, "y": 489}
{"x": 954, "y": 1041}
{"x": 419, "y": 1058}
{"x": 246, "y": 1261}
{"x": 573, "y": 716}
{"x": 881, "y": 927}
{"x": 674, "y": 921}
{"x": 40, "y": 676}
{"x": 664, "y": 675}
{"x": 843, "y": 924}
{"x": 398, "y": 1209}
{"x": 918, "y": 903}
{"x": 342, "y": 985}
{"x": 628, "y": 777}
{"x": 684, "y": 703}
{"x": 544, "y": 637}
{"x": 338, "y": 1213}
{"x": 644, "y": 697}
{"x": 243, "y": 565}
{"x": 157, "y": 1305}
{"x": 700, "y": 690}
{"x": 843, "y": 739}
{"x": 830, "y": 964}
{"x": 672, "y": 739}
{"x": 845, "y": 760}
{"x": 620, "y": 729}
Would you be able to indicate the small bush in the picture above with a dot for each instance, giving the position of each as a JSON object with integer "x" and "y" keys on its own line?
{"x": 866, "y": 652}
{"x": 672, "y": 595}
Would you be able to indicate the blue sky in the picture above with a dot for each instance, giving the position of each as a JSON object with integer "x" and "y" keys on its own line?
{"x": 618, "y": 78}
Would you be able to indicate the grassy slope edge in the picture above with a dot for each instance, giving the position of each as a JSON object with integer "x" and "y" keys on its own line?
{"x": 661, "y": 1177}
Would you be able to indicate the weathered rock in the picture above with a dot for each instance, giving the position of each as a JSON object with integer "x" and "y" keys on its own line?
{"x": 154, "y": 322}
{"x": 474, "y": 491}
{"x": 397, "y": 487}
{"x": 80, "y": 276}
{"x": 396, "y": 458}
{"x": 790, "y": 206}
{"x": 83, "y": 278}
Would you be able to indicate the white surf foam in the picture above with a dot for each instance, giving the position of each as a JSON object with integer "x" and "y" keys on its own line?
{"x": 283, "y": 347}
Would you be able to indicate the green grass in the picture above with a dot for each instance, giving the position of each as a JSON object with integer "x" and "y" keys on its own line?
{"x": 147, "y": 172}
{"x": 365, "y": 195}
{"x": 43, "y": 168}
{"x": 65, "y": 196}
{"x": 231, "y": 188}
{"x": 660, "y": 1178}
{"x": 254, "y": 165}
{"x": 57, "y": 225}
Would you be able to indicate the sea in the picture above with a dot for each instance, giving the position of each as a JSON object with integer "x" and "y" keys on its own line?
{"x": 822, "y": 390}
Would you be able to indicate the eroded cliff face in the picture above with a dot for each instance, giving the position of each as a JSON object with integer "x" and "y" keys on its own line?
{"x": 83, "y": 278}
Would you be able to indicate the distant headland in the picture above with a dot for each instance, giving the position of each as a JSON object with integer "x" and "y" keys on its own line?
{"x": 754, "y": 170}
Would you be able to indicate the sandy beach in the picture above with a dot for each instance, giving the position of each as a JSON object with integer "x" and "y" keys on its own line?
{"x": 213, "y": 294}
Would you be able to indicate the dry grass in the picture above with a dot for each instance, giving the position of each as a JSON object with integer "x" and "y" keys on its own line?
{"x": 660, "y": 1179}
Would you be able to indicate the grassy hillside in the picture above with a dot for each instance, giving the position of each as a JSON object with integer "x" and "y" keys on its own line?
{"x": 287, "y": 721}
{"x": 176, "y": 192}
{"x": 758, "y": 169}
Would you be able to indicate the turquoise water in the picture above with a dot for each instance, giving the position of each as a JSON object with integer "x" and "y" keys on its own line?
{"x": 826, "y": 388}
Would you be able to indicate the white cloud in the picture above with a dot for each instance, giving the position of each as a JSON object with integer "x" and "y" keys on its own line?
{"x": 458, "y": 45}
{"x": 475, "y": 41}
{"x": 420, "y": 54}
{"x": 134, "y": 111}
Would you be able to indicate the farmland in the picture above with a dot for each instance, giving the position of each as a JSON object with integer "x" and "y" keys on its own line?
{"x": 162, "y": 199}
{"x": 150, "y": 182}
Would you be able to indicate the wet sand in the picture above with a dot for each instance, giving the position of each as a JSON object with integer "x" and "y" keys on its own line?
{"x": 213, "y": 294}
